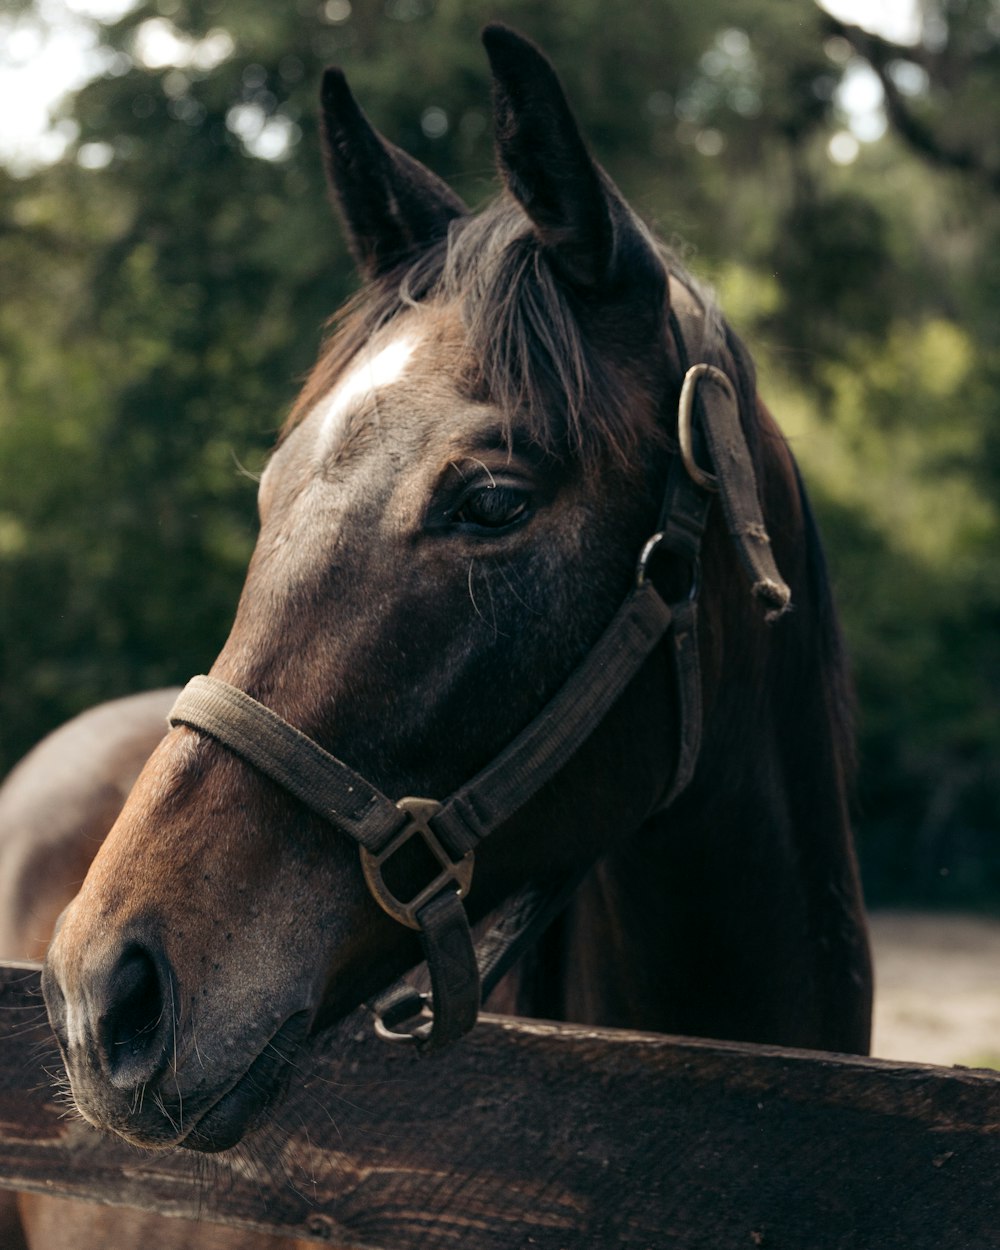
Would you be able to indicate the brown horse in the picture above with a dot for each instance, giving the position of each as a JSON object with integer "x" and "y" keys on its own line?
{"x": 451, "y": 518}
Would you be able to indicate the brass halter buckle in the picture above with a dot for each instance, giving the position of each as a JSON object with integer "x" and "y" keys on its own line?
{"x": 458, "y": 874}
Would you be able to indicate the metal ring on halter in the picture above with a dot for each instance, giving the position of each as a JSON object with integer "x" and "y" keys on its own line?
{"x": 407, "y": 1007}
{"x": 652, "y": 546}
{"x": 707, "y": 481}
{"x": 650, "y": 549}
{"x": 456, "y": 873}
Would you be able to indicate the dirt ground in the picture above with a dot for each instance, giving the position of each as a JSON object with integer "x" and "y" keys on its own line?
{"x": 937, "y": 988}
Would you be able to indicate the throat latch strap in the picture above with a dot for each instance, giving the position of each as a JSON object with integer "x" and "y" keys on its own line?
{"x": 333, "y": 790}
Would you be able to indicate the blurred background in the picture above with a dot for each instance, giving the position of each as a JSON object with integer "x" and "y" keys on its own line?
{"x": 167, "y": 259}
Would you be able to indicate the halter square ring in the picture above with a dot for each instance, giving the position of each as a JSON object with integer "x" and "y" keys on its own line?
{"x": 457, "y": 873}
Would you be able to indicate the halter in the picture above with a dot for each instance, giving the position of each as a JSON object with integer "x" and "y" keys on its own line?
{"x": 451, "y": 829}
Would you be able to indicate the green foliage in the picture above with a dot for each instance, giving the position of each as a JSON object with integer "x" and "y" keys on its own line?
{"x": 165, "y": 285}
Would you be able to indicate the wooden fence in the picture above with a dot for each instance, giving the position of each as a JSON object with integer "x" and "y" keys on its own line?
{"x": 556, "y": 1138}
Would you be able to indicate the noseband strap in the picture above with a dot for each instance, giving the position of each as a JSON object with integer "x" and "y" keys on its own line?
{"x": 290, "y": 758}
{"x": 453, "y": 829}
{"x": 333, "y": 790}
{"x": 709, "y": 429}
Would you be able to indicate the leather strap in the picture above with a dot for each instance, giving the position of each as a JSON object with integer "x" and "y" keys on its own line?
{"x": 318, "y": 779}
{"x": 521, "y": 923}
{"x": 323, "y": 782}
{"x": 451, "y": 962}
{"x": 687, "y": 670}
{"x": 716, "y": 433}
{"x": 737, "y": 486}
{"x": 499, "y": 790}
{"x": 454, "y": 975}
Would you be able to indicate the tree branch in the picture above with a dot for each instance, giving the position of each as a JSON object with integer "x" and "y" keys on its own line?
{"x": 914, "y": 130}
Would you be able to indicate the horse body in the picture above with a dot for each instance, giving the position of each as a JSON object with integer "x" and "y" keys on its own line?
{"x": 450, "y": 519}
{"x": 58, "y": 804}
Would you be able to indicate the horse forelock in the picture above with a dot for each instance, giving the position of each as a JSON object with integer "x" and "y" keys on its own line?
{"x": 576, "y": 374}
{"x": 575, "y": 370}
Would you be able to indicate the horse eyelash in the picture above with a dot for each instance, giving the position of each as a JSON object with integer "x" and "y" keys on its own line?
{"x": 486, "y": 470}
{"x": 243, "y": 471}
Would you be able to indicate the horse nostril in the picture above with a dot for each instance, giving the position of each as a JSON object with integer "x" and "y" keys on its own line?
{"x": 136, "y": 1027}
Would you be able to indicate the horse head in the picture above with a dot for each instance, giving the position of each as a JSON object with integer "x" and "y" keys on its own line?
{"x": 450, "y": 519}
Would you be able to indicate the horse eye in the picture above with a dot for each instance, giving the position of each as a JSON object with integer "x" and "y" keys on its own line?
{"x": 493, "y": 507}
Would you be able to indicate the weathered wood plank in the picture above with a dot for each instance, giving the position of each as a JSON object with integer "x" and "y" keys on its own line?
{"x": 554, "y": 1137}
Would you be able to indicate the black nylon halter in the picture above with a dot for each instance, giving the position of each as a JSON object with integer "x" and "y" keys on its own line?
{"x": 452, "y": 829}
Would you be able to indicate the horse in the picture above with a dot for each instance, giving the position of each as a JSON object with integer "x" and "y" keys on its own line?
{"x": 531, "y": 546}
{"x": 57, "y": 805}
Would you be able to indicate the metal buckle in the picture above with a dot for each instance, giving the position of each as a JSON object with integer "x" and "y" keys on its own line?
{"x": 707, "y": 481}
{"x": 459, "y": 874}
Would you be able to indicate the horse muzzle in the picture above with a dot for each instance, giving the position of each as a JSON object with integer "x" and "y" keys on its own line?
{"x": 138, "y": 1070}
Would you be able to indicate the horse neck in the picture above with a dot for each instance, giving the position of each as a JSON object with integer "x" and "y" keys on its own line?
{"x": 736, "y": 914}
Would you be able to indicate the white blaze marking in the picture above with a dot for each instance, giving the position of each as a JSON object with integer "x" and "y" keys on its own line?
{"x": 364, "y": 379}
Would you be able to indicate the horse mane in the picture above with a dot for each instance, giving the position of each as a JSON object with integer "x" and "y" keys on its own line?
{"x": 838, "y": 686}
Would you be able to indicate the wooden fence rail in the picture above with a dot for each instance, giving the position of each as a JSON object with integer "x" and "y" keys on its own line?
{"x": 553, "y": 1137}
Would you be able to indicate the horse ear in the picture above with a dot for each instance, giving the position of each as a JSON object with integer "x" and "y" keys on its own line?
{"x": 545, "y": 163}
{"x": 392, "y": 205}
